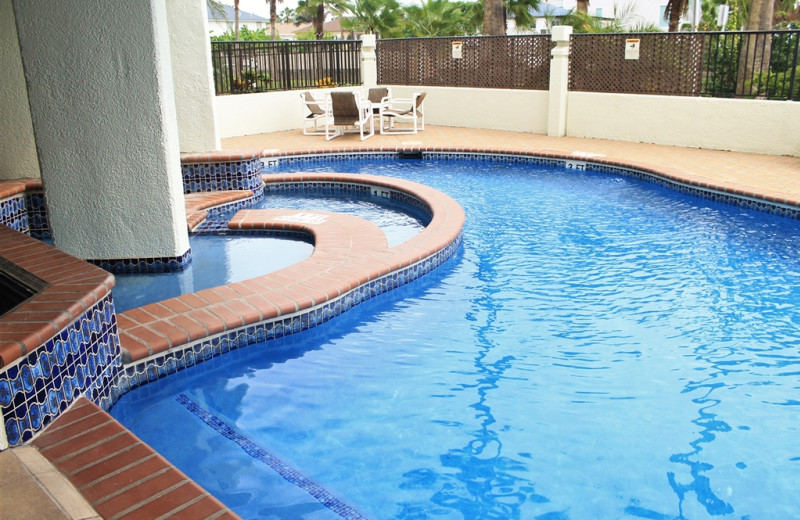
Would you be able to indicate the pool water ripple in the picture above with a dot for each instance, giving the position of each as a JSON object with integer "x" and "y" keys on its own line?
{"x": 599, "y": 348}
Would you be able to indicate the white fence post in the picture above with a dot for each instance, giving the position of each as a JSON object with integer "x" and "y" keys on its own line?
{"x": 369, "y": 68}
{"x": 559, "y": 81}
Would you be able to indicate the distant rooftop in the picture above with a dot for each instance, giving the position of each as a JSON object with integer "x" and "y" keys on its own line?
{"x": 545, "y": 9}
{"x": 230, "y": 15}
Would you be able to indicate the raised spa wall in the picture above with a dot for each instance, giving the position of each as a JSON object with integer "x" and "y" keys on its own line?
{"x": 63, "y": 342}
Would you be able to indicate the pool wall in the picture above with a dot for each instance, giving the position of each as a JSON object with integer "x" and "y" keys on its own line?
{"x": 23, "y": 208}
{"x": 331, "y": 286}
{"x": 219, "y": 172}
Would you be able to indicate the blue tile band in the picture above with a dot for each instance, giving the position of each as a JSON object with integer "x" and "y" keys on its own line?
{"x": 164, "y": 264}
{"x": 81, "y": 360}
{"x": 288, "y": 473}
{"x": 14, "y": 214}
{"x": 244, "y": 174}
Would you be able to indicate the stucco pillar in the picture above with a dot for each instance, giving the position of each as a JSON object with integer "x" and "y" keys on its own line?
{"x": 17, "y": 146}
{"x": 559, "y": 81}
{"x": 103, "y": 109}
{"x": 190, "y": 49}
{"x": 369, "y": 66}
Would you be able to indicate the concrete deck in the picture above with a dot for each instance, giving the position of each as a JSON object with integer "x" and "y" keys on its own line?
{"x": 30, "y": 487}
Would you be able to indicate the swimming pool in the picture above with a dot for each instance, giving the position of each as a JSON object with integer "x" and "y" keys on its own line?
{"x": 600, "y": 348}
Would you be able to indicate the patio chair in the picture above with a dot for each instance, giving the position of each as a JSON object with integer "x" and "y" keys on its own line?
{"x": 316, "y": 116}
{"x": 399, "y": 110}
{"x": 348, "y": 109}
{"x": 378, "y": 96}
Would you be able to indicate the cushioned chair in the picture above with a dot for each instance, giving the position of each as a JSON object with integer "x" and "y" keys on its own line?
{"x": 316, "y": 116}
{"x": 408, "y": 112}
{"x": 348, "y": 109}
{"x": 378, "y": 96}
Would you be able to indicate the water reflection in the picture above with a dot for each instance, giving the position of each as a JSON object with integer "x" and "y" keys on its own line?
{"x": 696, "y": 484}
{"x": 484, "y": 483}
{"x": 700, "y": 484}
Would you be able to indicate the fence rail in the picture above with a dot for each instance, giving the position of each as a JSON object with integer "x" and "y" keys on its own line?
{"x": 255, "y": 66}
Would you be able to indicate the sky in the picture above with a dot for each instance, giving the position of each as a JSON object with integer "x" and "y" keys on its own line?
{"x": 261, "y": 7}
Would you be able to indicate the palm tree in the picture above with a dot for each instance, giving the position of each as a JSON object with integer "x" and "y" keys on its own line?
{"x": 273, "y": 16}
{"x": 375, "y": 17}
{"x": 583, "y": 6}
{"x": 315, "y": 9}
{"x": 236, "y": 20}
{"x": 494, "y": 18}
{"x": 217, "y": 8}
{"x": 756, "y": 49}
{"x": 521, "y": 12}
{"x": 673, "y": 12}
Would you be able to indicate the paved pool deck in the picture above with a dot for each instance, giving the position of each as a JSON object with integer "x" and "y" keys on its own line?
{"x": 31, "y": 487}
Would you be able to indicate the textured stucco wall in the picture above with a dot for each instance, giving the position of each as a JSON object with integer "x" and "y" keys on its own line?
{"x": 17, "y": 146}
{"x": 102, "y": 103}
{"x": 191, "y": 70}
{"x": 517, "y": 110}
{"x": 742, "y": 125}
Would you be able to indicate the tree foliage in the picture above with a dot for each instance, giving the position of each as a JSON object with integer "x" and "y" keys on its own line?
{"x": 441, "y": 18}
{"x": 317, "y": 10}
{"x": 380, "y": 17}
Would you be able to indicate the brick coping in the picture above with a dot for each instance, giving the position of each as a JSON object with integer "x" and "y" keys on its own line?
{"x": 73, "y": 287}
{"x": 348, "y": 253}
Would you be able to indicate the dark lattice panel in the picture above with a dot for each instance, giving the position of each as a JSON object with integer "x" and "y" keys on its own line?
{"x": 508, "y": 62}
{"x": 668, "y": 64}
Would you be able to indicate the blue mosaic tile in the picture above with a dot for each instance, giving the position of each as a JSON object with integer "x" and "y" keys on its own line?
{"x": 38, "y": 220}
{"x": 78, "y": 361}
{"x": 274, "y": 462}
{"x": 222, "y": 176}
{"x": 14, "y": 214}
{"x": 145, "y": 265}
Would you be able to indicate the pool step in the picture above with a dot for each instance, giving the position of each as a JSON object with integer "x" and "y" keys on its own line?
{"x": 119, "y": 475}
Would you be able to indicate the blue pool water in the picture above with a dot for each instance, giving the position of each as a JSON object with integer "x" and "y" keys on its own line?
{"x": 223, "y": 259}
{"x": 216, "y": 260}
{"x": 598, "y": 348}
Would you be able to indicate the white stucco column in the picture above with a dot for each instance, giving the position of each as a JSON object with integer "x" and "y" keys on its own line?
{"x": 369, "y": 66}
{"x": 17, "y": 146}
{"x": 103, "y": 109}
{"x": 190, "y": 48}
{"x": 559, "y": 82}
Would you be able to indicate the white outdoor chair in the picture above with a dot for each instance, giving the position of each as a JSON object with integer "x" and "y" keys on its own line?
{"x": 378, "y": 96}
{"x": 317, "y": 114}
{"x": 408, "y": 111}
{"x": 348, "y": 109}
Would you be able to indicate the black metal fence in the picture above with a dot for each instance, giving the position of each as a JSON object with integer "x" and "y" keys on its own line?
{"x": 256, "y": 66}
{"x": 752, "y": 64}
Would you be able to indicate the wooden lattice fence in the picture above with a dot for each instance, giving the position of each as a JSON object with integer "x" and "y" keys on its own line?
{"x": 507, "y": 62}
{"x": 668, "y": 64}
